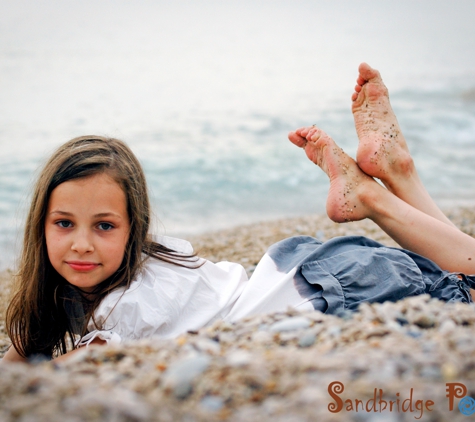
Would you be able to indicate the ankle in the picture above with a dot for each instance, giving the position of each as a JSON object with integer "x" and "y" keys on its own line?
{"x": 402, "y": 174}
{"x": 373, "y": 198}
{"x": 405, "y": 164}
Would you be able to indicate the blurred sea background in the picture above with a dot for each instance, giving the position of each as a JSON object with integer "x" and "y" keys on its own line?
{"x": 206, "y": 91}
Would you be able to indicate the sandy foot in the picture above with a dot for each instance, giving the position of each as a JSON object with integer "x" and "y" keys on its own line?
{"x": 382, "y": 151}
{"x": 347, "y": 181}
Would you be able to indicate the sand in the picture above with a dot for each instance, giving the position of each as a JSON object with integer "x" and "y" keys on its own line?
{"x": 272, "y": 367}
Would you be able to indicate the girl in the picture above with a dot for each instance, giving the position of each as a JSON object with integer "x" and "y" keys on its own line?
{"x": 90, "y": 272}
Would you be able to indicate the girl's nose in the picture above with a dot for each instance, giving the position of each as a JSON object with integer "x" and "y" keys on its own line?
{"x": 82, "y": 242}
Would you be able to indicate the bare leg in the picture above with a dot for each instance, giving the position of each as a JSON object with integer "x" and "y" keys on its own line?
{"x": 382, "y": 151}
{"x": 352, "y": 189}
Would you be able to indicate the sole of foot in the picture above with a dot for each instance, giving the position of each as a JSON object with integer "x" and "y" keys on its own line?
{"x": 382, "y": 150}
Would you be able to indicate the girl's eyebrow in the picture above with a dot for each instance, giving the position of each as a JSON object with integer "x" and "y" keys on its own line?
{"x": 99, "y": 215}
{"x": 60, "y": 212}
{"x": 107, "y": 214}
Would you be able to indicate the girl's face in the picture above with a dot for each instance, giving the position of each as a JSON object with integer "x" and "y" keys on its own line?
{"x": 87, "y": 228}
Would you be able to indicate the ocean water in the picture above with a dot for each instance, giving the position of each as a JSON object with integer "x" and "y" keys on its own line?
{"x": 206, "y": 92}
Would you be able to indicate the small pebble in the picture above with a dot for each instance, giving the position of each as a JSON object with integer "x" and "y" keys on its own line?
{"x": 424, "y": 320}
{"x": 402, "y": 320}
{"x": 447, "y": 327}
{"x": 307, "y": 340}
{"x": 212, "y": 403}
{"x": 180, "y": 374}
{"x": 289, "y": 324}
{"x": 239, "y": 358}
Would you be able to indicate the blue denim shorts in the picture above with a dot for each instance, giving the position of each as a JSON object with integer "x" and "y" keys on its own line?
{"x": 345, "y": 271}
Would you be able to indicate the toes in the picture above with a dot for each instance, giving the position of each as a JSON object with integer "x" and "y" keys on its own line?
{"x": 361, "y": 81}
{"x": 367, "y": 73}
{"x": 301, "y": 136}
{"x": 296, "y": 139}
{"x": 311, "y": 134}
{"x": 305, "y": 131}
{"x": 358, "y": 97}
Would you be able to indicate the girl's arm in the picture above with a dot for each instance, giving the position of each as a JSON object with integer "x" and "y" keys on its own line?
{"x": 66, "y": 356}
{"x": 13, "y": 356}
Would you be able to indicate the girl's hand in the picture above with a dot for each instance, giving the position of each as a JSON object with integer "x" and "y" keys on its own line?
{"x": 66, "y": 356}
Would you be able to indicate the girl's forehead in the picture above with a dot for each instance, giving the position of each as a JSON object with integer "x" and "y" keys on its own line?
{"x": 92, "y": 181}
{"x": 95, "y": 191}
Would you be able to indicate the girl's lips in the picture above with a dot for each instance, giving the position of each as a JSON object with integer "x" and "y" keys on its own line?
{"x": 82, "y": 266}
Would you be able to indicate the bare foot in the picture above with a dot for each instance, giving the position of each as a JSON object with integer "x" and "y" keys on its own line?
{"x": 382, "y": 151}
{"x": 347, "y": 182}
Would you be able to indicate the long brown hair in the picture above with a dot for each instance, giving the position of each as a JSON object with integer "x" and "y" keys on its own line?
{"x": 37, "y": 319}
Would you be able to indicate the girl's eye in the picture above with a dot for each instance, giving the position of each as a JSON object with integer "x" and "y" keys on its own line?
{"x": 65, "y": 224}
{"x": 105, "y": 226}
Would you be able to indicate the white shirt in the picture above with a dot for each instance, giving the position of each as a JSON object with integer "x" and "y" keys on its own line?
{"x": 167, "y": 300}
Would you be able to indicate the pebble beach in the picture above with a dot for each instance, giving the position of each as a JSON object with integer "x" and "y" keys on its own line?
{"x": 404, "y": 361}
